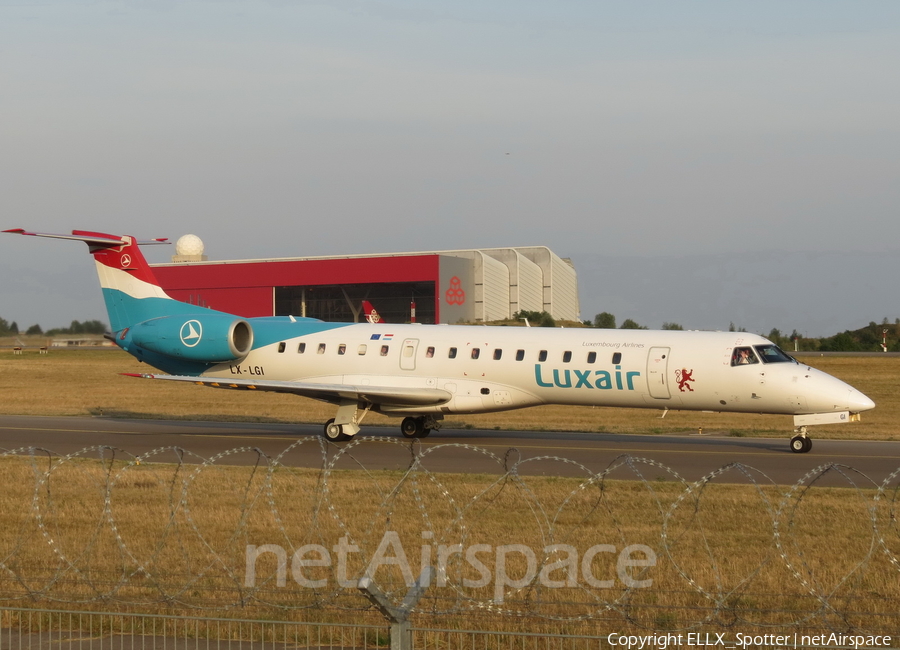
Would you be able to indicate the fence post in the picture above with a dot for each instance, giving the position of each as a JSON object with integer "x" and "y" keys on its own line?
{"x": 398, "y": 616}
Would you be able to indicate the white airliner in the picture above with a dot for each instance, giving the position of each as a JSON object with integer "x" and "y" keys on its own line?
{"x": 424, "y": 372}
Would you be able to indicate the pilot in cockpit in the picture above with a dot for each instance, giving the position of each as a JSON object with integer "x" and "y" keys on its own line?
{"x": 743, "y": 357}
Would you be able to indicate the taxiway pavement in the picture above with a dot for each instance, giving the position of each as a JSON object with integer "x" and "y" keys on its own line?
{"x": 688, "y": 456}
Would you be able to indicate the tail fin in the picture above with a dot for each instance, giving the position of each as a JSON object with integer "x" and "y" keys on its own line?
{"x": 130, "y": 289}
{"x": 371, "y": 315}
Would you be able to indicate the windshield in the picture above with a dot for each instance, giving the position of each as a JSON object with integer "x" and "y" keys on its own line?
{"x": 772, "y": 354}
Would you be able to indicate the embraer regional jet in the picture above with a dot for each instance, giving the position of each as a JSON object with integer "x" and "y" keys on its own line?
{"x": 424, "y": 372}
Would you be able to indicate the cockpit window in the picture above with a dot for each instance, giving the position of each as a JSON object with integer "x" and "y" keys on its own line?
{"x": 772, "y": 354}
{"x": 743, "y": 357}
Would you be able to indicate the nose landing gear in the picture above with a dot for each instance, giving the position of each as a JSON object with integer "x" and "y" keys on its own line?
{"x": 801, "y": 443}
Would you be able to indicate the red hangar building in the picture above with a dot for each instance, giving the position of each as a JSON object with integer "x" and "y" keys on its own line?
{"x": 454, "y": 286}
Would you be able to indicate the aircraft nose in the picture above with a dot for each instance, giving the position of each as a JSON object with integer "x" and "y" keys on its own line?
{"x": 831, "y": 395}
{"x": 860, "y": 402}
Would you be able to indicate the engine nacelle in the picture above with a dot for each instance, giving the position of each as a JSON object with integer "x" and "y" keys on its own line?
{"x": 208, "y": 338}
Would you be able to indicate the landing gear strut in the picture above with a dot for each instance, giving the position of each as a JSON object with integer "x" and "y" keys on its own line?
{"x": 801, "y": 443}
{"x": 345, "y": 424}
{"x": 418, "y": 427}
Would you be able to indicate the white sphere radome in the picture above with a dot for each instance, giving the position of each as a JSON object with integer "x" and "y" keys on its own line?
{"x": 189, "y": 245}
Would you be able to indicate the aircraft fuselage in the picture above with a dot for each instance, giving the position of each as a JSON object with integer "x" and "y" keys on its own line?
{"x": 488, "y": 369}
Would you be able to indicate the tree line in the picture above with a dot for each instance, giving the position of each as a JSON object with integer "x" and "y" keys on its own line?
{"x": 74, "y": 328}
{"x": 866, "y": 339}
{"x": 874, "y": 337}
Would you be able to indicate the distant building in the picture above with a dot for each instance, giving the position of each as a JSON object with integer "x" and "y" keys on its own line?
{"x": 80, "y": 342}
{"x": 474, "y": 285}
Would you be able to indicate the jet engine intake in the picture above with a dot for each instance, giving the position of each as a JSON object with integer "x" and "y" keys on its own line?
{"x": 208, "y": 338}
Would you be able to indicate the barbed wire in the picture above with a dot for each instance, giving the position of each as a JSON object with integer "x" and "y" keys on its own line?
{"x": 243, "y": 529}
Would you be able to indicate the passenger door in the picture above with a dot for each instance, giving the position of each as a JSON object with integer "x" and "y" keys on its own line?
{"x": 408, "y": 354}
{"x": 657, "y": 373}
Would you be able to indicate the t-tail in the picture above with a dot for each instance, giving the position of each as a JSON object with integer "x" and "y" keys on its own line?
{"x": 372, "y": 316}
{"x": 130, "y": 289}
{"x": 145, "y": 321}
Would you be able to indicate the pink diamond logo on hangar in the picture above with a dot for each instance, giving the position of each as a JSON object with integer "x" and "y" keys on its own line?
{"x": 455, "y": 294}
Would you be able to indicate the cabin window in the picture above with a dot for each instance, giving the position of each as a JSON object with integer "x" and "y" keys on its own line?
{"x": 281, "y": 347}
{"x": 342, "y": 348}
{"x": 592, "y": 357}
{"x": 408, "y": 351}
{"x": 361, "y": 350}
{"x": 429, "y": 352}
{"x": 542, "y": 355}
{"x": 497, "y": 354}
{"x": 301, "y": 348}
{"x": 567, "y": 356}
{"x": 452, "y": 353}
{"x": 321, "y": 349}
{"x": 743, "y": 357}
{"x": 485, "y": 391}
{"x": 384, "y": 350}
{"x": 520, "y": 355}
{"x": 476, "y": 352}
{"x": 617, "y": 357}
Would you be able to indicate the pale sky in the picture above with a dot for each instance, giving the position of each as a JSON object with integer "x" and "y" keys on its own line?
{"x": 637, "y": 130}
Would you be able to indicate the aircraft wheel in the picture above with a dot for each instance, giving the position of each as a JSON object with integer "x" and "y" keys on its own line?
{"x": 335, "y": 432}
{"x": 412, "y": 427}
{"x": 800, "y": 444}
{"x": 425, "y": 432}
{"x": 808, "y": 442}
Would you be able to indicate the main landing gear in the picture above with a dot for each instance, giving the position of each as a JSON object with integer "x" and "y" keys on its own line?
{"x": 801, "y": 443}
{"x": 418, "y": 427}
{"x": 346, "y": 423}
{"x": 335, "y": 432}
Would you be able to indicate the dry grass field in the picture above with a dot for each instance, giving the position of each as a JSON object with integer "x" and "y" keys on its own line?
{"x": 161, "y": 538}
{"x": 88, "y": 383}
{"x": 157, "y": 537}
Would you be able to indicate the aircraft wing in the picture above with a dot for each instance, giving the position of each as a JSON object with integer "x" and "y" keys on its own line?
{"x": 335, "y": 393}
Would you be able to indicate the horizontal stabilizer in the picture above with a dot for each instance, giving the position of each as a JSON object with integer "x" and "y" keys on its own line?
{"x": 91, "y": 239}
{"x": 335, "y": 393}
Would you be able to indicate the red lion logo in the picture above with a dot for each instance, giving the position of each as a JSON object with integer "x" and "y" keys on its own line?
{"x": 683, "y": 376}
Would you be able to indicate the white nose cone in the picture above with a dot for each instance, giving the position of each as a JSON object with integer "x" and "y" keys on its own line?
{"x": 859, "y": 402}
{"x": 829, "y": 394}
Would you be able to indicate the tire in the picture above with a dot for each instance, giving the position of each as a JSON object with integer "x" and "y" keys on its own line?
{"x": 334, "y": 432}
{"x": 799, "y": 445}
{"x": 412, "y": 427}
